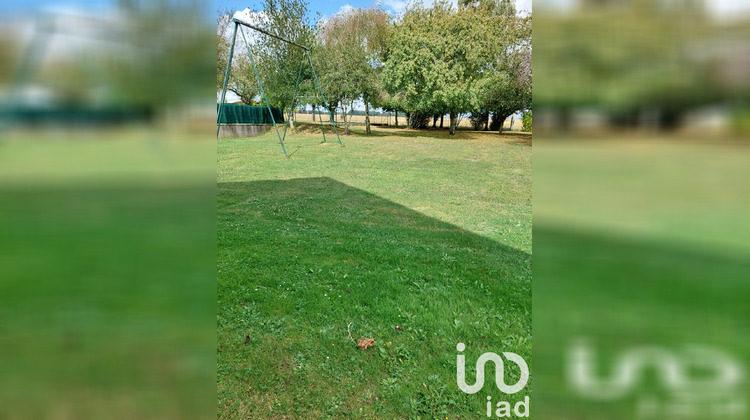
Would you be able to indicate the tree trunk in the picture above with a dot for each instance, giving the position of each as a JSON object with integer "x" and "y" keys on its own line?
{"x": 291, "y": 118}
{"x": 511, "y": 122}
{"x": 502, "y": 119}
{"x": 313, "y": 113}
{"x": 367, "y": 117}
{"x": 487, "y": 124}
{"x": 351, "y": 114}
{"x": 332, "y": 112}
{"x": 441, "y": 121}
{"x": 397, "y": 118}
{"x": 347, "y": 121}
{"x": 454, "y": 120}
{"x": 564, "y": 119}
{"x": 434, "y": 120}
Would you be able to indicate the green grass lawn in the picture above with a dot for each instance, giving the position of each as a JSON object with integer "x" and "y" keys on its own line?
{"x": 107, "y": 290}
{"x": 640, "y": 242}
{"x": 418, "y": 240}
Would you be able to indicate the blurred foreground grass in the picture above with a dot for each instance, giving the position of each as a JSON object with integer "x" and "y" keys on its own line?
{"x": 641, "y": 242}
{"x": 108, "y": 291}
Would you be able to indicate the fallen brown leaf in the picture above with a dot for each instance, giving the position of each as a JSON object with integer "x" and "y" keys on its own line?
{"x": 365, "y": 343}
{"x": 247, "y": 339}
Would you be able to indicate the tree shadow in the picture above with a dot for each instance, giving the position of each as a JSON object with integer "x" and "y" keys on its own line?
{"x": 516, "y": 137}
{"x": 305, "y": 263}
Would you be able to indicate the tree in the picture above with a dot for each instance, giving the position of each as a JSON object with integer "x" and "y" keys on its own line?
{"x": 625, "y": 60}
{"x": 336, "y": 77}
{"x": 242, "y": 80}
{"x": 279, "y": 62}
{"x": 177, "y": 62}
{"x": 436, "y": 58}
{"x": 506, "y": 85}
{"x": 223, "y": 22}
{"x": 495, "y": 7}
{"x": 353, "y": 44}
{"x": 389, "y": 102}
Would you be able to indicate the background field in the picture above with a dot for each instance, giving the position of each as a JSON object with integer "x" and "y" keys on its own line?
{"x": 391, "y": 121}
{"x": 416, "y": 239}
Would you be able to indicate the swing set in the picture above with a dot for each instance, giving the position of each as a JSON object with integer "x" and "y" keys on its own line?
{"x": 306, "y": 57}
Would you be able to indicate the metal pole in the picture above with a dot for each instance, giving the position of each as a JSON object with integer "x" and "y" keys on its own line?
{"x": 226, "y": 80}
{"x": 252, "y": 61}
{"x": 235, "y": 20}
{"x": 309, "y": 60}
{"x": 320, "y": 120}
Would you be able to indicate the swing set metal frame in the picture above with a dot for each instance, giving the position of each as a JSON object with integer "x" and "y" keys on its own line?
{"x": 305, "y": 57}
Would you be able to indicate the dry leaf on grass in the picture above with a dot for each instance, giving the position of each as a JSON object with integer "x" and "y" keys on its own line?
{"x": 365, "y": 343}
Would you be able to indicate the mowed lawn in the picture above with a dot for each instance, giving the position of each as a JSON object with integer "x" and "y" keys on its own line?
{"x": 641, "y": 242}
{"x": 415, "y": 239}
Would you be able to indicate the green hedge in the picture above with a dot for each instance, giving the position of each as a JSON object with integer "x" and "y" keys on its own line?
{"x": 246, "y": 114}
{"x": 75, "y": 115}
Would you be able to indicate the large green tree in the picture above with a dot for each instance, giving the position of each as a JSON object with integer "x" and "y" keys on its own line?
{"x": 506, "y": 85}
{"x": 174, "y": 63}
{"x": 352, "y": 47}
{"x": 626, "y": 61}
{"x": 436, "y": 58}
{"x": 278, "y": 61}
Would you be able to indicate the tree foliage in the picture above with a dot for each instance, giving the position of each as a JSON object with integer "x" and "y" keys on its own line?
{"x": 351, "y": 50}
{"x": 429, "y": 62}
{"x": 242, "y": 80}
{"x": 279, "y": 62}
{"x": 628, "y": 58}
{"x": 470, "y": 59}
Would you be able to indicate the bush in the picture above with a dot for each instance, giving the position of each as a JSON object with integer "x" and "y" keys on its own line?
{"x": 526, "y": 119}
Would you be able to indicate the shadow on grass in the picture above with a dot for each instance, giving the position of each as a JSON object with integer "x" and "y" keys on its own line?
{"x": 302, "y": 263}
{"x": 103, "y": 286}
{"x": 620, "y": 294}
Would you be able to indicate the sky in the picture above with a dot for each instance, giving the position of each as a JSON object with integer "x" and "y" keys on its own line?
{"x": 27, "y": 6}
{"x": 325, "y": 7}
{"x": 25, "y": 9}
{"x": 721, "y": 8}
{"x": 330, "y": 7}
